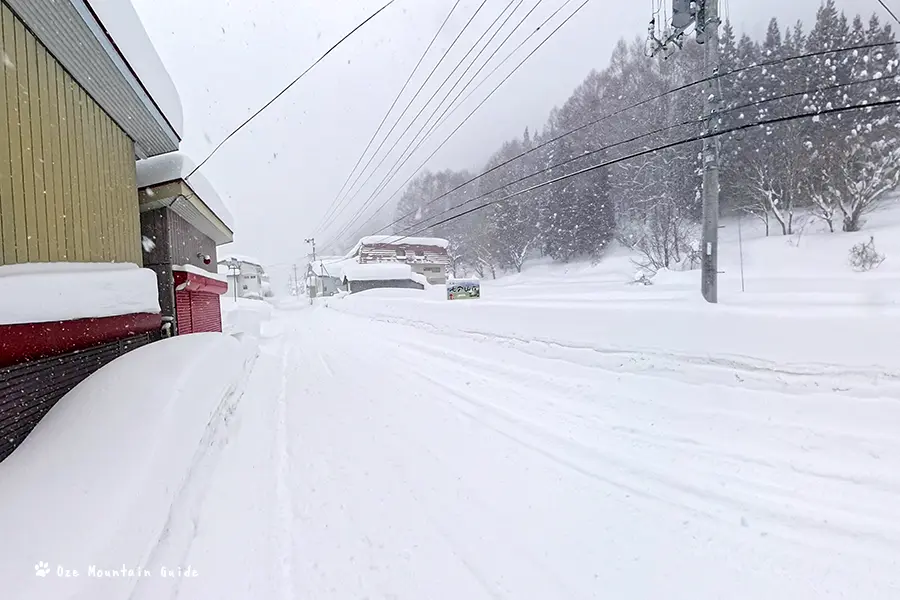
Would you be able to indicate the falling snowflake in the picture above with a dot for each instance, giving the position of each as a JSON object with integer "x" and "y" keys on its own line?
{"x": 147, "y": 243}
{"x": 150, "y": 192}
{"x": 7, "y": 61}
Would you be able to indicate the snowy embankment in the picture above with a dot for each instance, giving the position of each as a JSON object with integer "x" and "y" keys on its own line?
{"x": 113, "y": 477}
{"x": 244, "y": 317}
{"x": 804, "y": 313}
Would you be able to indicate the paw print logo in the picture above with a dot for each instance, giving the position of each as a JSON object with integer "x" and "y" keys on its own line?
{"x": 41, "y": 569}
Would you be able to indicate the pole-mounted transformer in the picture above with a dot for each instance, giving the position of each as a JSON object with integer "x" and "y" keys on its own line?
{"x": 704, "y": 15}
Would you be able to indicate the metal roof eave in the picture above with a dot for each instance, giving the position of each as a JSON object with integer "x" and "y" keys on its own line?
{"x": 72, "y": 34}
{"x": 189, "y": 206}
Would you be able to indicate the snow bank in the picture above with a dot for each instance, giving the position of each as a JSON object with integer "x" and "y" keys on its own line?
{"x": 201, "y": 272}
{"x": 419, "y": 278}
{"x": 115, "y": 472}
{"x": 174, "y": 166}
{"x": 244, "y": 316}
{"x": 377, "y": 272}
{"x": 47, "y": 292}
{"x": 123, "y": 25}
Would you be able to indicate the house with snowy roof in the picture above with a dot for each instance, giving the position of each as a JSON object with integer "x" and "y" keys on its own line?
{"x": 427, "y": 257}
{"x": 85, "y": 100}
{"x": 246, "y": 276}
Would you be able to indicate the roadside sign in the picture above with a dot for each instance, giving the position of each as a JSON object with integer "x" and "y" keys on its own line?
{"x": 463, "y": 289}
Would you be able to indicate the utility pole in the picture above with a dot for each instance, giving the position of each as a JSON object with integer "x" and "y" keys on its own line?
{"x": 296, "y": 289}
{"x": 313, "y": 242}
{"x": 704, "y": 15}
{"x": 710, "y": 262}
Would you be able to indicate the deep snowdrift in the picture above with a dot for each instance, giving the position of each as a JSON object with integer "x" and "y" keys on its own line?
{"x": 113, "y": 476}
{"x": 46, "y": 292}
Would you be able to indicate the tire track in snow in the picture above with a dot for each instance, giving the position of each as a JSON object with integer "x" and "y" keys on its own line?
{"x": 742, "y": 495}
{"x": 734, "y": 371}
{"x": 282, "y": 486}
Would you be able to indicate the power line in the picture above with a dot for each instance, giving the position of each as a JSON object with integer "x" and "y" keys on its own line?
{"x": 289, "y": 86}
{"x": 341, "y": 203}
{"x": 392, "y": 171}
{"x": 616, "y": 113}
{"x": 472, "y": 113}
{"x": 869, "y": 106}
{"x": 352, "y": 196}
{"x": 397, "y": 99}
{"x": 890, "y": 12}
{"x": 373, "y": 197}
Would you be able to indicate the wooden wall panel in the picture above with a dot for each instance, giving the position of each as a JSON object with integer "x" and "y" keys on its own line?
{"x": 67, "y": 174}
{"x": 7, "y": 113}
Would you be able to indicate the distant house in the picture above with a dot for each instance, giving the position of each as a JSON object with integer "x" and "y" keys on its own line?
{"x": 425, "y": 256}
{"x": 359, "y": 278}
{"x": 325, "y": 275}
{"x": 247, "y": 278}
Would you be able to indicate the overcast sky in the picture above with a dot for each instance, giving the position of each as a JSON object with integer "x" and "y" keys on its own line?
{"x": 280, "y": 174}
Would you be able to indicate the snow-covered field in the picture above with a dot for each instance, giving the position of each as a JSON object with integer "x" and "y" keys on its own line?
{"x": 570, "y": 436}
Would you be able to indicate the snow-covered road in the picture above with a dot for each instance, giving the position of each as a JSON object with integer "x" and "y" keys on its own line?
{"x": 372, "y": 459}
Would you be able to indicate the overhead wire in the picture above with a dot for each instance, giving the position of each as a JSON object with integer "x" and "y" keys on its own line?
{"x": 352, "y": 195}
{"x": 698, "y": 138}
{"x": 625, "y": 109}
{"x": 392, "y": 170}
{"x": 639, "y": 137}
{"x": 289, "y": 86}
{"x": 453, "y": 106}
{"x": 342, "y": 202}
{"x": 471, "y": 113}
{"x": 888, "y": 9}
{"x": 396, "y": 100}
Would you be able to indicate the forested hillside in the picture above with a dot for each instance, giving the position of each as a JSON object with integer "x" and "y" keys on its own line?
{"x": 834, "y": 163}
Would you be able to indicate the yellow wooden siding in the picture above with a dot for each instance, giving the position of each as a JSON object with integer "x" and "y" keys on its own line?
{"x": 67, "y": 174}
{"x": 7, "y": 112}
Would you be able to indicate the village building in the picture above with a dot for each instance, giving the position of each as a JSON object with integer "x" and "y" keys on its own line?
{"x": 425, "y": 256}
{"x": 359, "y": 278}
{"x": 183, "y": 220}
{"x": 246, "y": 277}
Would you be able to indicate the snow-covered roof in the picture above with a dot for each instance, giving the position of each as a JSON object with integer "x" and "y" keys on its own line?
{"x": 400, "y": 240}
{"x": 332, "y": 266}
{"x": 123, "y": 25}
{"x": 176, "y": 166}
{"x": 396, "y": 240}
{"x": 63, "y": 291}
{"x": 377, "y": 272}
{"x": 241, "y": 258}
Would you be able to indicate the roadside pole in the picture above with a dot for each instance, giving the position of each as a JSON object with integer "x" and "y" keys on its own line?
{"x": 710, "y": 262}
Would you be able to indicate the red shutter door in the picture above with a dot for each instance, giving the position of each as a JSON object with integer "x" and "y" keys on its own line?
{"x": 184, "y": 322}
{"x": 205, "y": 312}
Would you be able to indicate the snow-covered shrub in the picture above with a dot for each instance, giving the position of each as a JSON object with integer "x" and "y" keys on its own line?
{"x": 864, "y": 257}
{"x": 664, "y": 237}
{"x": 642, "y": 278}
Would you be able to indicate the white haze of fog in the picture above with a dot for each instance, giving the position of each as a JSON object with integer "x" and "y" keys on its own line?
{"x": 280, "y": 174}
